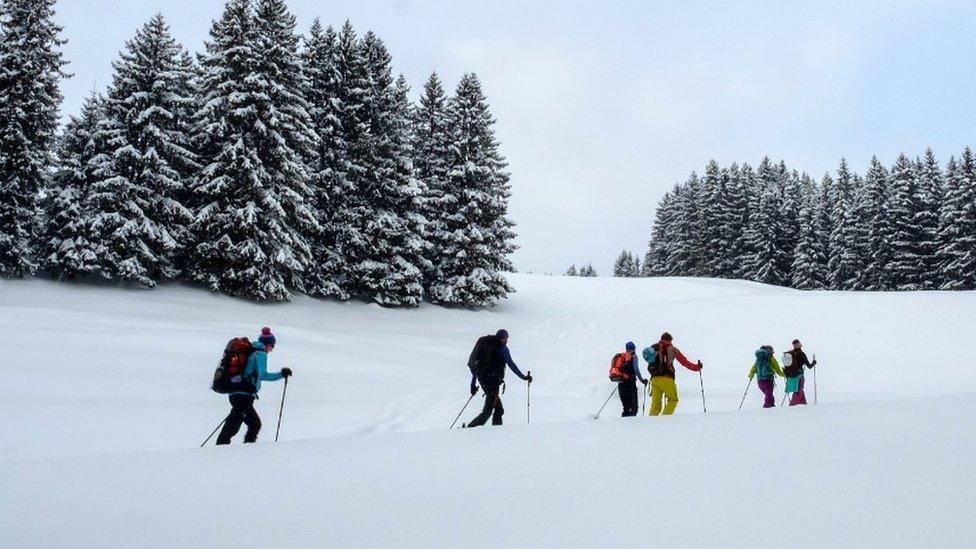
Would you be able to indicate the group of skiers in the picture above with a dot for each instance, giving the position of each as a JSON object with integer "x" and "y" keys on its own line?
{"x": 245, "y": 365}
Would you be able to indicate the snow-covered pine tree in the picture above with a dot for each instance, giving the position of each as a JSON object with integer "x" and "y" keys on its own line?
{"x": 790, "y": 185}
{"x": 826, "y": 223}
{"x": 474, "y": 256}
{"x": 637, "y": 265}
{"x": 906, "y": 266}
{"x": 31, "y": 67}
{"x": 809, "y": 270}
{"x": 844, "y": 263}
{"x": 713, "y": 223}
{"x": 572, "y": 271}
{"x": 255, "y": 139}
{"x": 326, "y": 94}
{"x": 431, "y": 160}
{"x": 588, "y": 271}
{"x": 625, "y": 265}
{"x": 65, "y": 248}
{"x": 686, "y": 241}
{"x": 138, "y": 221}
{"x": 659, "y": 249}
{"x": 389, "y": 254}
{"x": 744, "y": 200}
{"x": 932, "y": 194}
{"x": 765, "y": 229}
{"x": 958, "y": 224}
{"x": 874, "y": 230}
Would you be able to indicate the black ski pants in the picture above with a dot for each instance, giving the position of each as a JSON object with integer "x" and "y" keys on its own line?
{"x": 628, "y": 397}
{"x": 493, "y": 404}
{"x": 241, "y": 411}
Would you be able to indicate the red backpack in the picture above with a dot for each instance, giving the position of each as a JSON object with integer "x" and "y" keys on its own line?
{"x": 229, "y": 376}
{"x": 620, "y": 367}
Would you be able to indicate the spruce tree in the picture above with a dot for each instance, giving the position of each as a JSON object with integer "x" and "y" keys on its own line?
{"x": 766, "y": 227}
{"x": 256, "y": 137}
{"x": 875, "y": 231}
{"x": 391, "y": 249}
{"x": 66, "y": 251}
{"x": 932, "y": 195}
{"x": 905, "y": 270}
{"x": 588, "y": 271}
{"x": 572, "y": 271}
{"x": 139, "y": 223}
{"x": 326, "y": 94}
{"x": 31, "y": 67}
{"x": 625, "y": 265}
{"x": 473, "y": 259}
{"x": 656, "y": 260}
{"x": 746, "y": 199}
{"x": 431, "y": 159}
{"x": 958, "y": 224}
{"x": 809, "y": 269}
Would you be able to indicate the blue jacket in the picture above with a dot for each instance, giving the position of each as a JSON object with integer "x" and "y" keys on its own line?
{"x": 504, "y": 355}
{"x": 635, "y": 364}
{"x": 256, "y": 369}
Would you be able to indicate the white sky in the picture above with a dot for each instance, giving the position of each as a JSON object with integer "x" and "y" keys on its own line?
{"x": 603, "y": 106}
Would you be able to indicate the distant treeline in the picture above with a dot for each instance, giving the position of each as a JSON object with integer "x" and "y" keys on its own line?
{"x": 908, "y": 227}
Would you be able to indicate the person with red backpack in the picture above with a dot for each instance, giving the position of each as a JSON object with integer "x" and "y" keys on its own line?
{"x": 625, "y": 371}
{"x": 246, "y": 390}
{"x": 487, "y": 364}
{"x": 662, "y": 374}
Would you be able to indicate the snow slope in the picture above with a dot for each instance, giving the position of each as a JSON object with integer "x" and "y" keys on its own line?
{"x": 885, "y": 460}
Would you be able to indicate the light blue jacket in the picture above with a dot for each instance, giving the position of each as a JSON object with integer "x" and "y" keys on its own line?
{"x": 257, "y": 369}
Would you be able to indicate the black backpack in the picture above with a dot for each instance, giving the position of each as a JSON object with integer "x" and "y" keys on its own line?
{"x": 657, "y": 368}
{"x": 482, "y": 361}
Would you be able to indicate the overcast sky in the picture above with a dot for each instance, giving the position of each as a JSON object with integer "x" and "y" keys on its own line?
{"x": 603, "y": 106}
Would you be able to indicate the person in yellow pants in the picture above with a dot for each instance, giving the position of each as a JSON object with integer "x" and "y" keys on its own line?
{"x": 662, "y": 375}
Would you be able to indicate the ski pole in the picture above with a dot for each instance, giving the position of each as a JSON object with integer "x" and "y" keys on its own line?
{"x": 744, "y": 394}
{"x": 528, "y": 403}
{"x": 644, "y": 400}
{"x": 281, "y": 409}
{"x": 213, "y": 433}
{"x": 704, "y": 409}
{"x": 597, "y": 416}
{"x": 463, "y": 409}
{"x": 814, "y": 381}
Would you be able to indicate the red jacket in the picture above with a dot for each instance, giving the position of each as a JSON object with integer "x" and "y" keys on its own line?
{"x": 664, "y": 365}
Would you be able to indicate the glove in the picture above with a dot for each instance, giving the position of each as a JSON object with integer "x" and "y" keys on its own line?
{"x": 528, "y": 378}
{"x": 474, "y": 389}
{"x": 814, "y": 363}
{"x": 644, "y": 381}
{"x": 751, "y": 376}
{"x": 286, "y": 373}
{"x": 700, "y": 365}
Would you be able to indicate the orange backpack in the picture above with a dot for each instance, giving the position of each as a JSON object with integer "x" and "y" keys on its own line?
{"x": 620, "y": 367}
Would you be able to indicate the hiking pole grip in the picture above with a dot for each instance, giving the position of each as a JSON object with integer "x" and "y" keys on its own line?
{"x": 281, "y": 410}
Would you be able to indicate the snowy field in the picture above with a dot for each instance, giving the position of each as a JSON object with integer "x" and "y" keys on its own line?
{"x": 105, "y": 398}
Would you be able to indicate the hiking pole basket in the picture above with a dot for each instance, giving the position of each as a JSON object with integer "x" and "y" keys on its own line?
{"x": 281, "y": 409}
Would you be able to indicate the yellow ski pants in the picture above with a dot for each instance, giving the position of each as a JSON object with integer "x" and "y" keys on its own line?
{"x": 663, "y": 386}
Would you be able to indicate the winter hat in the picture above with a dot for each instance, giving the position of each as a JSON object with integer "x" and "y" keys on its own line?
{"x": 630, "y": 346}
{"x": 502, "y": 334}
{"x": 266, "y": 337}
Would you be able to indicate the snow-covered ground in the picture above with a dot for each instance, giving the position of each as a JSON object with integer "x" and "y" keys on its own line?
{"x": 105, "y": 396}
